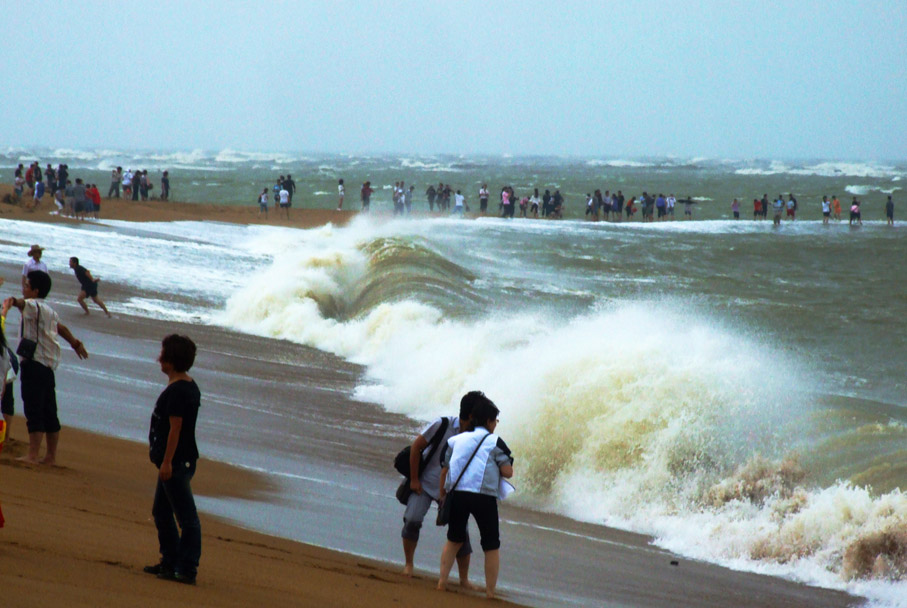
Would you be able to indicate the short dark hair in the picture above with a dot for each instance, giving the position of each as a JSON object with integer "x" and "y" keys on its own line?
{"x": 40, "y": 280}
{"x": 74, "y": 259}
{"x": 475, "y": 401}
{"x": 178, "y": 351}
{"x": 484, "y": 411}
{"x": 468, "y": 403}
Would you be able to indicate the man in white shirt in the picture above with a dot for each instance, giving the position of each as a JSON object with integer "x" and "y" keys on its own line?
{"x": 34, "y": 263}
{"x": 284, "y": 197}
{"x": 459, "y": 201}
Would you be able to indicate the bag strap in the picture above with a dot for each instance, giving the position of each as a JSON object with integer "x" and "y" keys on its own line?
{"x": 436, "y": 441}
{"x": 37, "y": 323}
{"x": 468, "y": 462}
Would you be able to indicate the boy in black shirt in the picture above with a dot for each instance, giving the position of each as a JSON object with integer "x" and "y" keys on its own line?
{"x": 173, "y": 450}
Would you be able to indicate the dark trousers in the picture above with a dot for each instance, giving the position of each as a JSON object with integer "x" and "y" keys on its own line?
{"x": 39, "y": 397}
{"x": 174, "y": 497}
{"x": 114, "y": 189}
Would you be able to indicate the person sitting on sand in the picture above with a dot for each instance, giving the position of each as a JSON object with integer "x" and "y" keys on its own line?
{"x": 173, "y": 451}
{"x": 473, "y": 464}
{"x": 425, "y": 482}
{"x": 89, "y": 286}
{"x": 40, "y": 327}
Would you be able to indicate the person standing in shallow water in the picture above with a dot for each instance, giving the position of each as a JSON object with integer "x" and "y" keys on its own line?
{"x": 172, "y": 449}
{"x": 472, "y": 465}
{"x": 425, "y": 480}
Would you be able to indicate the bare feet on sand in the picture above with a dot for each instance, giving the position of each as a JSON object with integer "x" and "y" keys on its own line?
{"x": 408, "y": 570}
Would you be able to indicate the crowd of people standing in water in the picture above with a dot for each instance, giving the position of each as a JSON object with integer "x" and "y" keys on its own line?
{"x": 609, "y": 206}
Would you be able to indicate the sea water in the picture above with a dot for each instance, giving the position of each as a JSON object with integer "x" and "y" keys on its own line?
{"x": 237, "y": 178}
{"x": 732, "y": 389}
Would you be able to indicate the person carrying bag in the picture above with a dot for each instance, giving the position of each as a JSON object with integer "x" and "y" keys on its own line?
{"x": 478, "y": 460}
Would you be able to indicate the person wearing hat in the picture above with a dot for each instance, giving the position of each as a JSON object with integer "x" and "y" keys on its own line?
{"x": 34, "y": 263}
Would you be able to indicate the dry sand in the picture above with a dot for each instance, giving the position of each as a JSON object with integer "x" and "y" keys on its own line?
{"x": 79, "y": 534}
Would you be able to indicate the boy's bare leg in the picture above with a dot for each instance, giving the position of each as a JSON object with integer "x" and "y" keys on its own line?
{"x": 448, "y": 555}
{"x": 409, "y": 553}
{"x": 34, "y": 444}
{"x": 51, "y": 456}
{"x": 463, "y": 569}
{"x": 81, "y": 300}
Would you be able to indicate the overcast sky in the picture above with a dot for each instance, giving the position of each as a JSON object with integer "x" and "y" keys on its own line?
{"x": 727, "y": 79}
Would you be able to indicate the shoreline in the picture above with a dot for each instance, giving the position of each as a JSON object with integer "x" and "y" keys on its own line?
{"x": 635, "y": 575}
{"x": 79, "y": 534}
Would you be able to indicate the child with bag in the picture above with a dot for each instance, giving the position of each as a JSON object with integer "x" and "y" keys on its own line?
{"x": 39, "y": 351}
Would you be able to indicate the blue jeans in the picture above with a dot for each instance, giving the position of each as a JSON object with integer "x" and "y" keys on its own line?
{"x": 174, "y": 497}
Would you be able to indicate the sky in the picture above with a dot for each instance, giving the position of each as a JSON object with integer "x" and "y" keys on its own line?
{"x": 788, "y": 80}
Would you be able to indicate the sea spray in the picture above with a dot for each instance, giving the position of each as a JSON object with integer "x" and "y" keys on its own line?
{"x": 648, "y": 414}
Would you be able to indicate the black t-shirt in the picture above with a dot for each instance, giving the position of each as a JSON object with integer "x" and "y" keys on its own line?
{"x": 82, "y": 276}
{"x": 181, "y": 399}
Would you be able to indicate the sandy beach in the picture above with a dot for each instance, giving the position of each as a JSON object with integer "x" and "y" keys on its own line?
{"x": 82, "y": 539}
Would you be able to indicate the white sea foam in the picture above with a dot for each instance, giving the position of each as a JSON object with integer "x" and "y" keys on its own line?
{"x": 864, "y": 189}
{"x": 618, "y": 163}
{"x": 669, "y": 429}
{"x": 408, "y": 163}
{"x": 667, "y": 424}
{"x": 827, "y": 169}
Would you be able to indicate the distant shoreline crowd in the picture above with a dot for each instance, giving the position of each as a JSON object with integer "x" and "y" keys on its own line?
{"x": 81, "y": 200}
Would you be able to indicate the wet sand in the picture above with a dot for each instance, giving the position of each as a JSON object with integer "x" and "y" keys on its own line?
{"x": 323, "y": 477}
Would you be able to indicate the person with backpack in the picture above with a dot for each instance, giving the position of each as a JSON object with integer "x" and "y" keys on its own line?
{"x": 425, "y": 481}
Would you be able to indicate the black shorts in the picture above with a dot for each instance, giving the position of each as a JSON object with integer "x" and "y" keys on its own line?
{"x": 8, "y": 404}
{"x": 736, "y": 215}
{"x": 39, "y": 397}
{"x": 91, "y": 289}
{"x": 483, "y": 204}
{"x": 485, "y": 511}
{"x": 661, "y": 212}
{"x": 826, "y": 213}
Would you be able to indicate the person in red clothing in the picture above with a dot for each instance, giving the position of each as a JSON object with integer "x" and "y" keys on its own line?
{"x": 94, "y": 195}
{"x": 757, "y": 208}
{"x": 366, "y": 195}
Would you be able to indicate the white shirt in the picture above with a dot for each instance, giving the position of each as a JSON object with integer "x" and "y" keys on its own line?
{"x": 431, "y": 475}
{"x": 826, "y": 207}
{"x": 340, "y": 189}
{"x": 33, "y": 264}
{"x": 284, "y": 196}
{"x": 483, "y": 192}
{"x": 671, "y": 202}
{"x": 48, "y": 351}
{"x": 458, "y": 200}
{"x": 483, "y": 474}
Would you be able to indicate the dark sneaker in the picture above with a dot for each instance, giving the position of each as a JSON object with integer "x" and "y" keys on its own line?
{"x": 160, "y": 570}
{"x": 183, "y": 578}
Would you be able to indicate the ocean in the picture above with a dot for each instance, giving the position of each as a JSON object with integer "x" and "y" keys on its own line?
{"x": 735, "y": 390}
